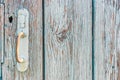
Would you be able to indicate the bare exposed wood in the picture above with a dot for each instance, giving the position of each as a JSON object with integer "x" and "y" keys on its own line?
{"x": 68, "y": 40}
{"x": 9, "y": 68}
{"x": 107, "y": 40}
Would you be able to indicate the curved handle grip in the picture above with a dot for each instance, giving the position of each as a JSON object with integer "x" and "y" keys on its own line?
{"x": 20, "y": 35}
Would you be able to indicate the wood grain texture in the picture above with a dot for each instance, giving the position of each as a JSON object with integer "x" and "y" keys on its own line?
{"x": 68, "y": 40}
{"x": 107, "y": 39}
{"x": 1, "y": 34}
{"x": 9, "y": 68}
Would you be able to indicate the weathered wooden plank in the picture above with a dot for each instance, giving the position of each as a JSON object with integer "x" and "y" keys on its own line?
{"x": 1, "y": 34}
{"x": 107, "y": 39}
{"x": 9, "y": 68}
{"x": 68, "y": 39}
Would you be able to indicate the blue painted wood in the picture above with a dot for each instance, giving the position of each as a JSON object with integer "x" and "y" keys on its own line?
{"x": 0, "y": 73}
{"x": 0, "y": 78}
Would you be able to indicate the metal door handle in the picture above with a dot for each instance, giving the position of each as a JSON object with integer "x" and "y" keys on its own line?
{"x": 20, "y": 35}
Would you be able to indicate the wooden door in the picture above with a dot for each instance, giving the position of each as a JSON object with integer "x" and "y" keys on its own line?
{"x": 60, "y": 40}
{"x": 68, "y": 39}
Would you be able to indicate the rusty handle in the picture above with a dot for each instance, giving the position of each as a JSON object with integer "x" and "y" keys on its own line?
{"x": 20, "y": 35}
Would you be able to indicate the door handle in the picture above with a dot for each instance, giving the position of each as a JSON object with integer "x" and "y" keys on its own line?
{"x": 22, "y": 44}
{"x": 20, "y": 35}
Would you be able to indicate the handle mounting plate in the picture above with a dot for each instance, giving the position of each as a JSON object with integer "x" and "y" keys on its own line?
{"x": 23, "y": 26}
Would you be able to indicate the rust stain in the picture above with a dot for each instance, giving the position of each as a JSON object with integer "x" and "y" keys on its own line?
{"x": 118, "y": 51}
{"x": 118, "y": 65}
{"x": 51, "y": 21}
{"x": 65, "y": 9}
{"x": 111, "y": 56}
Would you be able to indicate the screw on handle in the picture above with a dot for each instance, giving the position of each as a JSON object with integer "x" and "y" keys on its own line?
{"x": 20, "y": 35}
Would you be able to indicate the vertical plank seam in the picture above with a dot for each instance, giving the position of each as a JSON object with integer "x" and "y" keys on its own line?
{"x": 93, "y": 14}
{"x": 43, "y": 35}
